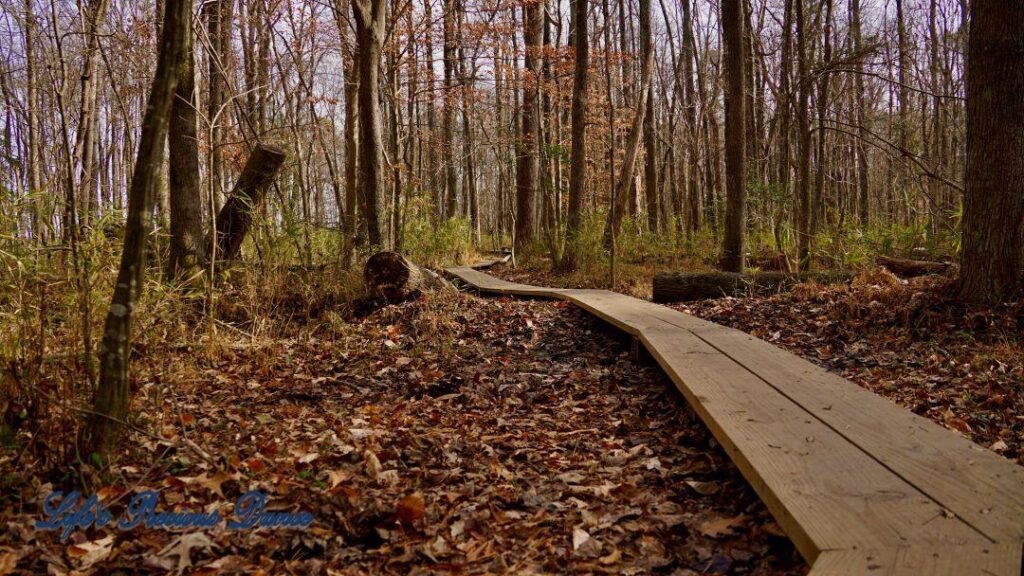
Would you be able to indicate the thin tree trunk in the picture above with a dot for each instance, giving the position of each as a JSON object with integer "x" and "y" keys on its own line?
{"x": 818, "y": 212}
{"x": 804, "y": 176}
{"x": 578, "y": 156}
{"x": 527, "y": 165}
{"x": 112, "y": 395}
{"x": 651, "y": 188}
{"x": 735, "y": 137}
{"x": 188, "y": 247}
{"x": 863, "y": 209}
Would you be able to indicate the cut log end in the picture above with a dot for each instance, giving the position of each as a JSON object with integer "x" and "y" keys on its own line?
{"x": 392, "y": 277}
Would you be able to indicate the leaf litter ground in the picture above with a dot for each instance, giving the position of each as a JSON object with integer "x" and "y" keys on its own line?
{"x": 452, "y": 434}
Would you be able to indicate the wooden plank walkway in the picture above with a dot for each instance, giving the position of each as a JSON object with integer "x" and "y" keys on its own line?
{"x": 860, "y": 485}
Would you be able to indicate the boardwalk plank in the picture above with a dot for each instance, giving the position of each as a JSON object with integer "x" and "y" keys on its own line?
{"x": 964, "y": 478}
{"x": 988, "y": 560}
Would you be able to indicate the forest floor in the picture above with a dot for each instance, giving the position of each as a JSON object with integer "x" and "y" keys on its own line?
{"x": 452, "y": 434}
{"x": 906, "y": 340}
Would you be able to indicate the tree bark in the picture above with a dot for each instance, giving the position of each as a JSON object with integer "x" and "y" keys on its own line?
{"x": 905, "y": 268}
{"x": 992, "y": 259}
{"x": 112, "y": 395}
{"x": 735, "y": 137}
{"x": 860, "y": 146}
{"x": 448, "y": 112}
{"x": 625, "y": 180}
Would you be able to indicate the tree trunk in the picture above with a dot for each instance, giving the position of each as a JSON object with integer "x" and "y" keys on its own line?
{"x": 818, "y": 211}
{"x": 188, "y": 249}
{"x": 632, "y": 151}
{"x": 235, "y": 218}
{"x": 689, "y": 53}
{"x": 651, "y": 188}
{"x": 992, "y": 260}
{"x": 112, "y": 395}
{"x": 578, "y": 156}
{"x": 735, "y": 137}
{"x": 448, "y": 112}
{"x": 863, "y": 209}
{"x": 392, "y": 277}
{"x": 804, "y": 177}
{"x": 527, "y": 165}
{"x": 218, "y": 29}
{"x": 905, "y": 268}
{"x": 369, "y": 25}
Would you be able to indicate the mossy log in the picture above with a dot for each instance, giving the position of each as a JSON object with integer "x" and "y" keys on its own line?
{"x": 688, "y": 286}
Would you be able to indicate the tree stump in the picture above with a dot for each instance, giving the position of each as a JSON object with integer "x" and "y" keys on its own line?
{"x": 689, "y": 286}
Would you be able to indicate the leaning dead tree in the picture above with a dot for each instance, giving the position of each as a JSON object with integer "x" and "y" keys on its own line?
{"x": 235, "y": 218}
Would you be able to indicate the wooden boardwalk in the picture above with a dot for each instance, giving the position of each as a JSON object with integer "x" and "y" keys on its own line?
{"x": 860, "y": 485}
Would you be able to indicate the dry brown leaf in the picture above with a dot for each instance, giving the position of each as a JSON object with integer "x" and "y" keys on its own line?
{"x": 87, "y": 554}
{"x": 8, "y": 561}
{"x": 410, "y": 509}
{"x": 722, "y": 527}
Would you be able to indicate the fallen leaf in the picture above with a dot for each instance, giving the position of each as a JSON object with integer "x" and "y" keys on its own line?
{"x": 182, "y": 548}
{"x": 722, "y": 527}
{"x": 579, "y": 537}
{"x": 8, "y": 561}
{"x": 410, "y": 509}
{"x": 89, "y": 553}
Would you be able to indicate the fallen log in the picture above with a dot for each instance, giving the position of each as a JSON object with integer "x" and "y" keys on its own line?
{"x": 391, "y": 277}
{"x": 688, "y": 286}
{"x": 235, "y": 218}
{"x": 906, "y": 268}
